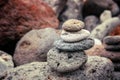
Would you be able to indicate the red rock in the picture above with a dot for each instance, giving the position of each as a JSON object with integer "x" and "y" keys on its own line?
{"x": 115, "y": 31}
{"x": 19, "y": 16}
{"x": 98, "y": 50}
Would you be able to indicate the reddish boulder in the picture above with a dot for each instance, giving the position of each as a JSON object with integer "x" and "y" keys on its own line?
{"x": 99, "y": 50}
{"x": 19, "y": 16}
{"x": 115, "y": 31}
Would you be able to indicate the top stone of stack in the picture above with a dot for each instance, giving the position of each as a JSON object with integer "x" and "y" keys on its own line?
{"x": 73, "y": 25}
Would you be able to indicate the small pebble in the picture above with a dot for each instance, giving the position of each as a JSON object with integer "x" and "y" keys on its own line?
{"x": 73, "y": 25}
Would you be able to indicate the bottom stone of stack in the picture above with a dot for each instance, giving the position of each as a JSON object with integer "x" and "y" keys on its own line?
{"x": 62, "y": 61}
{"x": 96, "y": 68}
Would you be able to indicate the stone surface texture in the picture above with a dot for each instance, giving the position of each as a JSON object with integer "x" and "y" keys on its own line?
{"x": 34, "y": 46}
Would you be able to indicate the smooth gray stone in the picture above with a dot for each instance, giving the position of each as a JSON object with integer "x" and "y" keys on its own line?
{"x": 76, "y": 46}
{"x": 112, "y": 47}
{"x": 112, "y": 40}
{"x": 61, "y": 61}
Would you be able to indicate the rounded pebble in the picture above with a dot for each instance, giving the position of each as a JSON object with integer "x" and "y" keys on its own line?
{"x": 112, "y": 40}
{"x": 76, "y": 46}
{"x": 74, "y": 36}
{"x": 65, "y": 61}
{"x": 112, "y": 47}
{"x": 73, "y": 25}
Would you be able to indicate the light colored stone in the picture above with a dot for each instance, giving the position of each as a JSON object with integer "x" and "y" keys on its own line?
{"x": 73, "y": 25}
{"x": 61, "y": 61}
{"x": 6, "y": 62}
{"x": 105, "y": 15}
{"x": 34, "y": 46}
{"x": 74, "y": 36}
{"x": 105, "y": 28}
{"x": 97, "y": 41}
{"x": 76, "y": 46}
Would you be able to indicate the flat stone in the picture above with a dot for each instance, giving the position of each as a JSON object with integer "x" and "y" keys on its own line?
{"x": 76, "y": 46}
{"x": 61, "y": 61}
{"x": 73, "y": 25}
{"x": 112, "y": 47}
{"x": 74, "y": 36}
{"x": 112, "y": 40}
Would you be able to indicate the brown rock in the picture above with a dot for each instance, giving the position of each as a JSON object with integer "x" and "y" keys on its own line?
{"x": 20, "y": 16}
{"x": 98, "y": 50}
{"x": 34, "y": 46}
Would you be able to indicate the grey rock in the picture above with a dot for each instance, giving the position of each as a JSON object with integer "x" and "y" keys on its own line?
{"x": 91, "y": 22}
{"x": 112, "y": 47}
{"x": 34, "y": 46}
{"x": 105, "y": 28}
{"x": 73, "y": 10}
{"x": 6, "y": 62}
{"x": 76, "y": 46}
{"x": 99, "y": 68}
{"x": 32, "y": 71}
{"x": 112, "y": 40}
{"x": 96, "y": 68}
{"x": 57, "y": 5}
{"x": 96, "y": 7}
{"x": 61, "y": 61}
{"x": 116, "y": 76}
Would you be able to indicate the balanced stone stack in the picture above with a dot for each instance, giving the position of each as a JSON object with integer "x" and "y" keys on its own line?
{"x": 68, "y": 54}
{"x": 112, "y": 44}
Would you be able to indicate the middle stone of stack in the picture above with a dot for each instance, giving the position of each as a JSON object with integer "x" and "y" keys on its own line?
{"x": 68, "y": 53}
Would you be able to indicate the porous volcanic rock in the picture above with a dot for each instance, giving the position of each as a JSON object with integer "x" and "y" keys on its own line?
{"x": 20, "y": 16}
{"x": 96, "y": 68}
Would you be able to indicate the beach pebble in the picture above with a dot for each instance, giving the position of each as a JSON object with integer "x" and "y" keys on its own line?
{"x": 74, "y": 36}
{"x": 77, "y": 46}
{"x": 65, "y": 61}
{"x": 73, "y": 25}
{"x": 112, "y": 40}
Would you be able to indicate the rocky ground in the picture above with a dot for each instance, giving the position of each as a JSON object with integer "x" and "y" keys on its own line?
{"x": 59, "y": 39}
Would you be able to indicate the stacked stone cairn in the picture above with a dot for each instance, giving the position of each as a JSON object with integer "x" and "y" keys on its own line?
{"x": 68, "y": 54}
{"x": 67, "y": 59}
{"x": 112, "y": 44}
